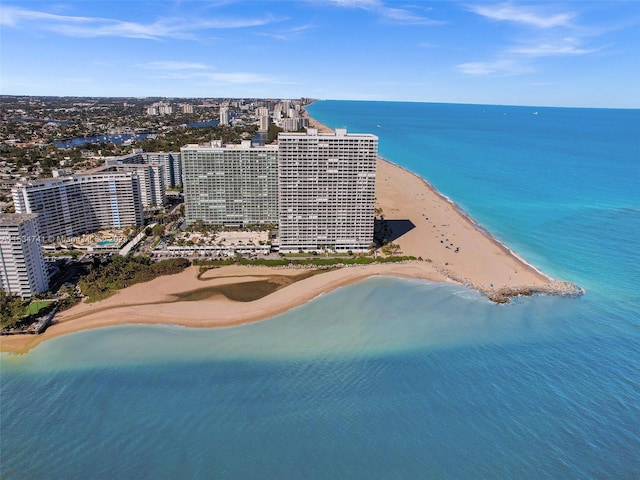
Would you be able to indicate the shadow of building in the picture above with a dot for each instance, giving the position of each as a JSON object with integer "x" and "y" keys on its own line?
{"x": 386, "y": 231}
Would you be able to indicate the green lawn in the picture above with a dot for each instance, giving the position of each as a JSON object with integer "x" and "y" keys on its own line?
{"x": 35, "y": 306}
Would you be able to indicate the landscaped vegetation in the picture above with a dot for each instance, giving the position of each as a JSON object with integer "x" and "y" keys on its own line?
{"x": 16, "y": 313}
{"x": 313, "y": 262}
{"x": 36, "y": 306}
{"x": 11, "y": 309}
{"x": 120, "y": 272}
{"x": 172, "y": 140}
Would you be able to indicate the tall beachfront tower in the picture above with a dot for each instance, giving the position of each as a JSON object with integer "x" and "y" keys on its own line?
{"x": 70, "y": 206}
{"x": 326, "y": 190}
{"x": 23, "y": 270}
{"x": 230, "y": 185}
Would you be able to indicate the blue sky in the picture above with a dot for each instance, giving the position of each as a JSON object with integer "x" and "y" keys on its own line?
{"x": 573, "y": 53}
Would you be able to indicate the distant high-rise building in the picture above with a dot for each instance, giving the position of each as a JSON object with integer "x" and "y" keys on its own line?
{"x": 263, "y": 125}
{"x": 187, "y": 108}
{"x": 294, "y": 124}
{"x": 277, "y": 114}
{"x": 160, "y": 108}
{"x": 263, "y": 118}
{"x": 326, "y": 185}
{"x": 171, "y": 163}
{"x": 151, "y": 177}
{"x": 233, "y": 185}
{"x": 165, "y": 109}
{"x": 70, "y": 206}
{"x": 23, "y": 270}
{"x": 224, "y": 115}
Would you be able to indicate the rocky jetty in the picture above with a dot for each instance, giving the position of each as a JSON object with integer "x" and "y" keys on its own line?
{"x": 568, "y": 289}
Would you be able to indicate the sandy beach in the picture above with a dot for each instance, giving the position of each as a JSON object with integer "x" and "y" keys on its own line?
{"x": 422, "y": 222}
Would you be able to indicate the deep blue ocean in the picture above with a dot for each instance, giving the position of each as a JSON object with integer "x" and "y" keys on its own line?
{"x": 388, "y": 378}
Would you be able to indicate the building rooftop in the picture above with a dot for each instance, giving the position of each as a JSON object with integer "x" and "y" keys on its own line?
{"x": 216, "y": 144}
{"x": 97, "y": 172}
{"x": 339, "y": 132}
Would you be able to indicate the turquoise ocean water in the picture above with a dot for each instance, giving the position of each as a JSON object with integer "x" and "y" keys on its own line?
{"x": 386, "y": 378}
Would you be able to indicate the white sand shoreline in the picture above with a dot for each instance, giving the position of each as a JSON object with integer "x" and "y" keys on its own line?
{"x": 455, "y": 249}
{"x": 471, "y": 220}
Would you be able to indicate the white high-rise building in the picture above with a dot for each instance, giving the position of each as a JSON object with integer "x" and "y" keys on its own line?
{"x": 160, "y": 108}
{"x": 232, "y": 185}
{"x": 151, "y": 177}
{"x": 23, "y": 270}
{"x": 277, "y": 114}
{"x": 326, "y": 190}
{"x": 224, "y": 115}
{"x": 165, "y": 109}
{"x": 171, "y": 163}
{"x": 263, "y": 125}
{"x": 263, "y": 118}
{"x": 152, "y": 184}
{"x": 294, "y": 124}
{"x": 71, "y": 206}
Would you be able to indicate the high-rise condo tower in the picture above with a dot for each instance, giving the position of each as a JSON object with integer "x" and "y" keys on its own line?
{"x": 230, "y": 185}
{"x": 23, "y": 270}
{"x": 326, "y": 190}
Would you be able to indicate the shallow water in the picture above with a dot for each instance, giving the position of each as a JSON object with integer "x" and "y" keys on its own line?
{"x": 387, "y": 378}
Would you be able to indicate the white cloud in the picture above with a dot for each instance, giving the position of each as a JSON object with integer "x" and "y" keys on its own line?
{"x": 12, "y": 16}
{"x": 220, "y": 78}
{"x": 508, "y": 12}
{"x": 364, "y": 4}
{"x": 495, "y": 67}
{"x": 200, "y": 72}
{"x": 565, "y": 46}
{"x": 392, "y": 14}
{"x": 85, "y": 27}
{"x": 517, "y": 58}
{"x": 288, "y": 34}
{"x": 406, "y": 17}
{"x": 239, "y": 77}
{"x": 173, "y": 65}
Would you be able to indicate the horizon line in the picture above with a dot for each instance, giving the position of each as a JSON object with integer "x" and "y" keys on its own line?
{"x": 314, "y": 99}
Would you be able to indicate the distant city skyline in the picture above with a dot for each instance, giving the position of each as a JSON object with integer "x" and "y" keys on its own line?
{"x": 574, "y": 54}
